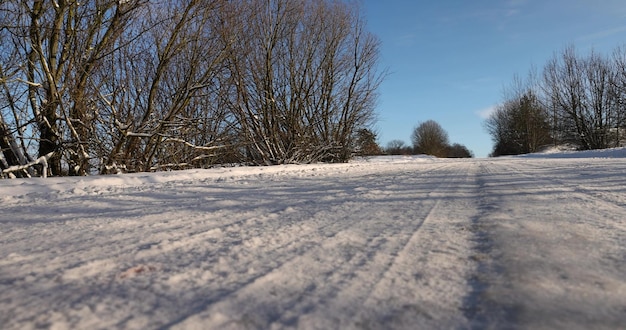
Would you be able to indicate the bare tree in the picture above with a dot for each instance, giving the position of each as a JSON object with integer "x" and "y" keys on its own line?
{"x": 519, "y": 126}
{"x": 12, "y": 119}
{"x": 161, "y": 111}
{"x": 431, "y": 139}
{"x": 305, "y": 77}
{"x": 619, "y": 94}
{"x": 581, "y": 93}
{"x": 398, "y": 147}
{"x": 59, "y": 45}
{"x": 139, "y": 85}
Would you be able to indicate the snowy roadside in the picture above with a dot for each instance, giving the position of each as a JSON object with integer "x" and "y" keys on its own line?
{"x": 21, "y": 190}
{"x": 395, "y": 242}
{"x": 555, "y": 230}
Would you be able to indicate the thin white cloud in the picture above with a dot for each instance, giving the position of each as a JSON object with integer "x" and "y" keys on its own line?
{"x": 512, "y": 12}
{"x": 515, "y": 8}
{"x": 405, "y": 40}
{"x": 486, "y": 113}
{"x": 604, "y": 33}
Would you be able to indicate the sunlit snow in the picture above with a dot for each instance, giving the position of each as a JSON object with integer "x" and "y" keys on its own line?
{"x": 379, "y": 243}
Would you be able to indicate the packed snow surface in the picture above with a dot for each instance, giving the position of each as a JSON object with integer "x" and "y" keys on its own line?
{"x": 380, "y": 243}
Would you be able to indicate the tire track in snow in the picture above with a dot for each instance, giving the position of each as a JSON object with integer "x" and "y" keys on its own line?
{"x": 399, "y": 255}
{"x": 271, "y": 281}
{"x": 553, "y": 257}
{"x": 352, "y": 279}
{"x": 293, "y": 292}
{"x": 479, "y": 309}
{"x": 114, "y": 246}
{"x": 109, "y": 249}
{"x": 298, "y": 264}
{"x": 592, "y": 172}
{"x": 602, "y": 205}
{"x": 336, "y": 230}
{"x": 287, "y": 250}
{"x": 374, "y": 258}
{"x": 424, "y": 249}
{"x": 123, "y": 231}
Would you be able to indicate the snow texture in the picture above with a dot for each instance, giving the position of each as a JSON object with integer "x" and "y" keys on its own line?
{"x": 379, "y": 243}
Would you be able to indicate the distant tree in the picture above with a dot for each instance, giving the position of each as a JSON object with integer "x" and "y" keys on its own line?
{"x": 395, "y": 144}
{"x": 519, "y": 126}
{"x": 431, "y": 139}
{"x": 366, "y": 143}
{"x": 577, "y": 100}
{"x": 459, "y": 151}
{"x": 398, "y": 147}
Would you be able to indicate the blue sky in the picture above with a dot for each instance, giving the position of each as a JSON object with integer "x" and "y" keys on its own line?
{"x": 449, "y": 60}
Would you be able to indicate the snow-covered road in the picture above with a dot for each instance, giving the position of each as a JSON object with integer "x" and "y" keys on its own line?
{"x": 389, "y": 243}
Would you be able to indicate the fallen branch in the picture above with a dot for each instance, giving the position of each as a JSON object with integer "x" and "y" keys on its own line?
{"x": 43, "y": 161}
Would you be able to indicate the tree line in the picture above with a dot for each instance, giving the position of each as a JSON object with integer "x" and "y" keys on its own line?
{"x": 577, "y": 100}
{"x": 429, "y": 138}
{"x": 104, "y": 86}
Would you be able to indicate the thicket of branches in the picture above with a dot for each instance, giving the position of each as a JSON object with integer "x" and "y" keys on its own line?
{"x": 577, "y": 100}
{"x": 137, "y": 85}
{"x": 521, "y": 125}
{"x": 398, "y": 147}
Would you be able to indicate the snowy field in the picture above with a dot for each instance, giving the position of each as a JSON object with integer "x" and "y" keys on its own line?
{"x": 386, "y": 243}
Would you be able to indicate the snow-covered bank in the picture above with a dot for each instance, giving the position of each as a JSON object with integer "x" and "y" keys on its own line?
{"x": 402, "y": 243}
{"x": 564, "y": 153}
